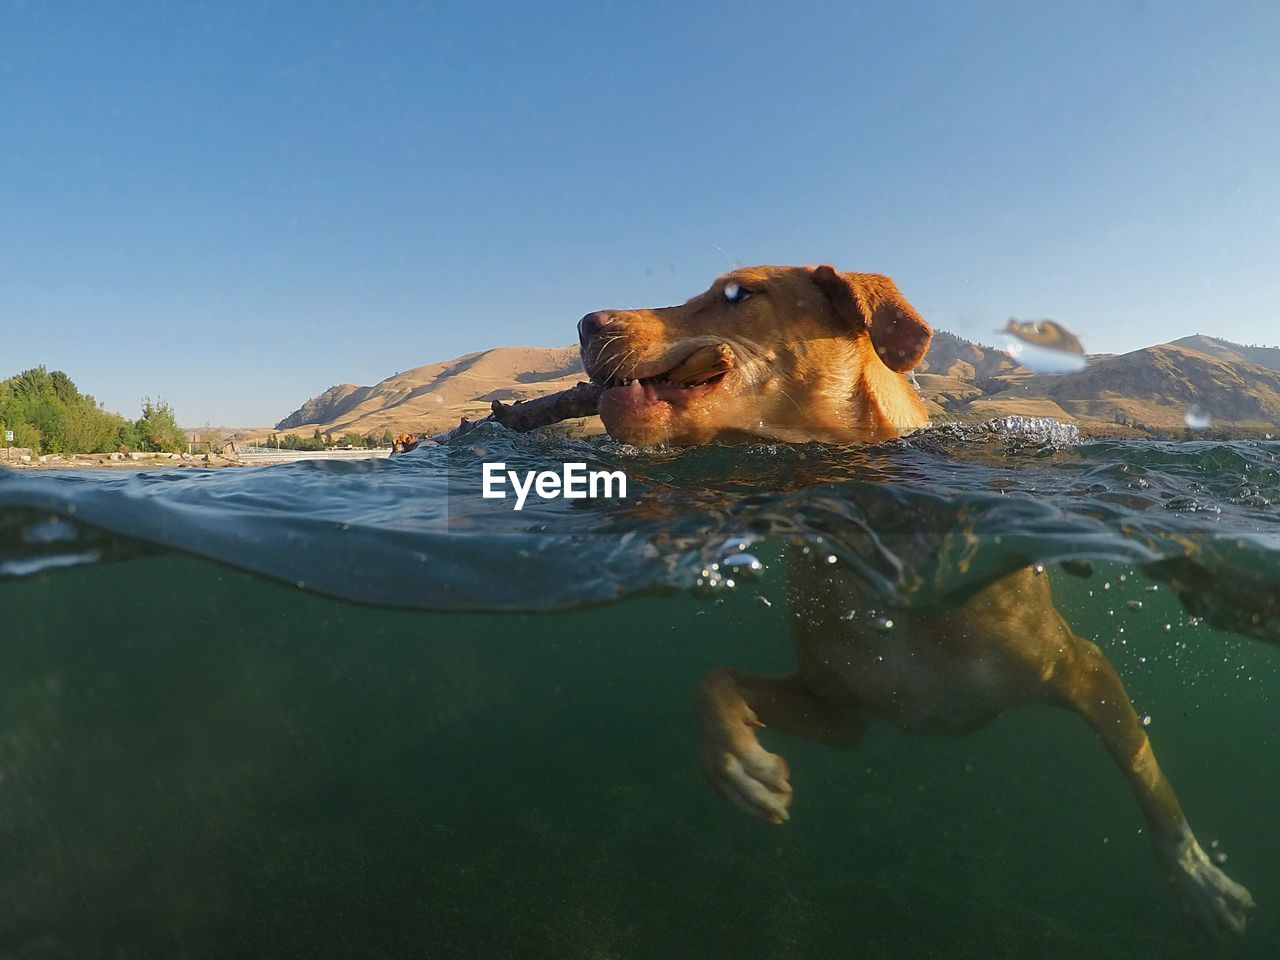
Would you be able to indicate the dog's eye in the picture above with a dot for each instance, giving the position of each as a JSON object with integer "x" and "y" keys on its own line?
{"x": 735, "y": 293}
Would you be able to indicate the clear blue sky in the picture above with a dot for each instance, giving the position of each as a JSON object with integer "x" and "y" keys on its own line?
{"x": 234, "y": 206}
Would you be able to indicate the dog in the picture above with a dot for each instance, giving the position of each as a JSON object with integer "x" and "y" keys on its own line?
{"x": 799, "y": 354}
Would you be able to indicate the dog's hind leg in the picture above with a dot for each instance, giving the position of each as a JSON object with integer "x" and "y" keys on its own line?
{"x": 731, "y": 706}
{"x": 1088, "y": 684}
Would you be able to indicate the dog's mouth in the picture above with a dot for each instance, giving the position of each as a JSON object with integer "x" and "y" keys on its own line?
{"x": 699, "y": 373}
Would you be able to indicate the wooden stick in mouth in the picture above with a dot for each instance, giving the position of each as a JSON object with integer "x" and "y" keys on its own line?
{"x": 522, "y": 416}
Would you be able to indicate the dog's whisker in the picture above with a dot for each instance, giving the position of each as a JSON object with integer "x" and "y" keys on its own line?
{"x": 618, "y": 365}
{"x": 625, "y": 357}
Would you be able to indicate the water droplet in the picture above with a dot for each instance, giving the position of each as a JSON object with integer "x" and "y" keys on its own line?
{"x": 883, "y": 623}
{"x": 1197, "y": 417}
{"x": 744, "y": 566}
{"x": 1043, "y": 346}
{"x": 832, "y": 558}
{"x": 712, "y": 587}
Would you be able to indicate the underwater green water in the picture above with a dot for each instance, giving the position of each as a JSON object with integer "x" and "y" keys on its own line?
{"x": 201, "y": 763}
{"x": 353, "y": 710}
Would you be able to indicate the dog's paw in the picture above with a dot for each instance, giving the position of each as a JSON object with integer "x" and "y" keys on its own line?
{"x": 1217, "y": 902}
{"x": 747, "y": 775}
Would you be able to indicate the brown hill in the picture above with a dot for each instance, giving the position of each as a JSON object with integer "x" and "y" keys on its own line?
{"x": 956, "y": 357}
{"x": 1231, "y": 352}
{"x": 1152, "y": 389}
{"x": 1147, "y": 391}
{"x": 431, "y": 398}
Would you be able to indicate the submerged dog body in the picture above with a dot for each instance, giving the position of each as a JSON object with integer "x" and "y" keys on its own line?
{"x": 801, "y": 354}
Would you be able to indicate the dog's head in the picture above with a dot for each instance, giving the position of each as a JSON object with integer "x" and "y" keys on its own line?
{"x": 784, "y": 353}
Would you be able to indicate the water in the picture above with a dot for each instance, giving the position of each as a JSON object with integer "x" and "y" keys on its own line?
{"x": 470, "y": 733}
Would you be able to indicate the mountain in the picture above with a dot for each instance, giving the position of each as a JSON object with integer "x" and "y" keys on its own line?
{"x": 1145, "y": 392}
{"x": 328, "y": 406}
{"x": 431, "y": 398}
{"x": 1151, "y": 391}
{"x": 1232, "y": 352}
{"x": 961, "y": 359}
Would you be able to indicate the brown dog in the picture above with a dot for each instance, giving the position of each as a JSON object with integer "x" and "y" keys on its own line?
{"x": 801, "y": 354}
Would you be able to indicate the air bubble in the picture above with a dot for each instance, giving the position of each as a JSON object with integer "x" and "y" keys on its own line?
{"x": 743, "y": 566}
{"x": 712, "y": 587}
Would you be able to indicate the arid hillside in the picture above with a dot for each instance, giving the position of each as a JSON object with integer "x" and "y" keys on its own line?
{"x": 430, "y": 398}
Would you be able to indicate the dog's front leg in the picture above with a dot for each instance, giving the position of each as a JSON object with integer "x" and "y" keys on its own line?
{"x": 731, "y": 706}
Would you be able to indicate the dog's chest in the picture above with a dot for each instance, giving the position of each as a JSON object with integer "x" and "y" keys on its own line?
{"x": 894, "y": 667}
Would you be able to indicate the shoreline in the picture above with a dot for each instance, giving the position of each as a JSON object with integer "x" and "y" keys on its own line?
{"x": 113, "y": 461}
{"x": 176, "y": 461}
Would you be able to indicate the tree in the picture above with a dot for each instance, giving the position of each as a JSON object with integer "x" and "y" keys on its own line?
{"x": 47, "y": 413}
{"x": 157, "y": 428}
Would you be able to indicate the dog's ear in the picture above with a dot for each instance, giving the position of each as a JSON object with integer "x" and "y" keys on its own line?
{"x": 872, "y": 301}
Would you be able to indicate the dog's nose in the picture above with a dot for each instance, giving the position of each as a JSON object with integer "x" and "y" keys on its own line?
{"x": 593, "y": 323}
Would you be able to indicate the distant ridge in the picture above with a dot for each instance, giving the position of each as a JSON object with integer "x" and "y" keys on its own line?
{"x": 434, "y": 396}
{"x": 1232, "y": 352}
{"x": 1144, "y": 392}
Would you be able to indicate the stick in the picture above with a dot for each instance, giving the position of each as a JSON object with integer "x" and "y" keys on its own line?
{"x": 522, "y": 416}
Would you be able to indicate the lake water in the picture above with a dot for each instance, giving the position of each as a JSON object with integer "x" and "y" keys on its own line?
{"x": 352, "y": 709}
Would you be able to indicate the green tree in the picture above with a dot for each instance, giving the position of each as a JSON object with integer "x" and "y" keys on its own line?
{"x": 47, "y": 413}
{"x": 157, "y": 429}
